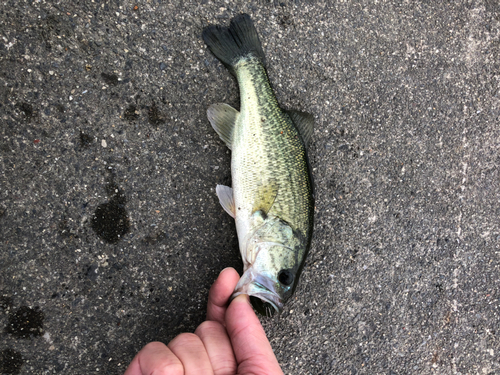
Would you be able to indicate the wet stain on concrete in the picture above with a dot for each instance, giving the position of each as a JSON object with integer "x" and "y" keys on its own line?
{"x": 5, "y": 302}
{"x": 25, "y": 322}
{"x": 85, "y": 140}
{"x": 110, "y": 79}
{"x": 65, "y": 230}
{"x": 10, "y": 362}
{"x": 285, "y": 21}
{"x": 91, "y": 271}
{"x": 154, "y": 115}
{"x": 4, "y": 147}
{"x": 155, "y": 238}
{"x": 55, "y": 27}
{"x": 27, "y": 109}
{"x": 60, "y": 108}
{"x": 131, "y": 113}
{"x": 110, "y": 220}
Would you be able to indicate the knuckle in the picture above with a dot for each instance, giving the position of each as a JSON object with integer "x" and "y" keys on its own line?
{"x": 210, "y": 329}
{"x": 154, "y": 346}
{"x": 226, "y": 369}
{"x": 209, "y": 326}
{"x": 164, "y": 363}
{"x": 169, "y": 369}
{"x": 186, "y": 339}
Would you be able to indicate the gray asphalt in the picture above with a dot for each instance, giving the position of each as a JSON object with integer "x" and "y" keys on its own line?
{"x": 103, "y": 112}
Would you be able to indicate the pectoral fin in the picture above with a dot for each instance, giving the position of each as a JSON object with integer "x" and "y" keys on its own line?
{"x": 226, "y": 199}
{"x": 304, "y": 122}
{"x": 265, "y": 196}
{"x": 222, "y": 117}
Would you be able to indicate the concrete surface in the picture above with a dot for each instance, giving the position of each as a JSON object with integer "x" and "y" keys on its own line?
{"x": 103, "y": 115}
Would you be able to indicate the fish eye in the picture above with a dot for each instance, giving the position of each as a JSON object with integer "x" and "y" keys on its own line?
{"x": 285, "y": 277}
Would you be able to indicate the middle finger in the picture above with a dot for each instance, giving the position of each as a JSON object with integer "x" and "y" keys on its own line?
{"x": 192, "y": 353}
{"x": 218, "y": 346}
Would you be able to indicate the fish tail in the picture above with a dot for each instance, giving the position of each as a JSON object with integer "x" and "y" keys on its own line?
{"x": 230, "y": 44}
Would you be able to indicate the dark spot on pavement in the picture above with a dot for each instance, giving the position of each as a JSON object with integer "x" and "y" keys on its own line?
{"x": 5, "y": 147}
{"x": 10, "y": 362}
{"x": 356, "y": 297}
{"x": 51, "y": 28}
{"x": 5, "y": 302}
{"x": 27, "y": 109}
{"x": 85, "y": 140}
{"x": 285, "y": 21}
{"x": 65, "y": 229}
{"x": 154, "y": 115}
{"x": 91, "y": 271}
{"x": 131, "y": 113}
{"x": 25, "y": 322}
{"x": 110, "y": 79}
{"x": 154, "y": 238}
{"x": 110, "y": 220}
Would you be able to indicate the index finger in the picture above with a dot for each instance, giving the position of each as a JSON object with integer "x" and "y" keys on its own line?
{"x": 219, "y": 294}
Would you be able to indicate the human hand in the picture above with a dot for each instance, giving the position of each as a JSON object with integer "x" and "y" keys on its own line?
{"x": 231, "y": 341}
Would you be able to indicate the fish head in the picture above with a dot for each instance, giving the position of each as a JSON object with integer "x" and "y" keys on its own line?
{"x": 268, "y": 289}
{"x": 272, "y": 265}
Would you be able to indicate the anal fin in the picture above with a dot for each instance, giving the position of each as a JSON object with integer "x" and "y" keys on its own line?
{"x": 226, "y": 199}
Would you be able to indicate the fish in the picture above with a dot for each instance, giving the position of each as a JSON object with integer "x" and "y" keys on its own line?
{"x": 272, "y": 197}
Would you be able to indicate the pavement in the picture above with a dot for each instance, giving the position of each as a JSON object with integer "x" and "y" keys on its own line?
{"x": 111, "y": 232}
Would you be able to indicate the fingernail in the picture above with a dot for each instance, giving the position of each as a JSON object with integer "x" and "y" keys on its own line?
{"x": 242, "y": 297}
{"x": 224, "y": 270}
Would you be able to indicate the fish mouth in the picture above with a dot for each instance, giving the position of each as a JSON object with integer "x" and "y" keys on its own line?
{"x": 261, "y": 290}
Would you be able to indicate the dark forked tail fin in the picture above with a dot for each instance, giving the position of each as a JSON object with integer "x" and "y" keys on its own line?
{"x": 230, "y": 44}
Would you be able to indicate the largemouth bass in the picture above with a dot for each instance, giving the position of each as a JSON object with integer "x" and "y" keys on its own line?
{"x": 271, "y": 199}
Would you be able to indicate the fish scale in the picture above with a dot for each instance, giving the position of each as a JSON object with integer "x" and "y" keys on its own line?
{"x": 268, "y": 150}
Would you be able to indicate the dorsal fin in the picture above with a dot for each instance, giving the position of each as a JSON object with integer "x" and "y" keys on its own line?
{"x": 304, "y": 122}
{"x": 222, "y": 117}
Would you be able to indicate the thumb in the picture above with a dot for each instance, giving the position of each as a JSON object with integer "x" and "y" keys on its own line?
{"x": 252, "y": 349}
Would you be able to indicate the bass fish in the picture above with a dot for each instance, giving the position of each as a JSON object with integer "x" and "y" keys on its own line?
{"x": 271, "y": 199}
